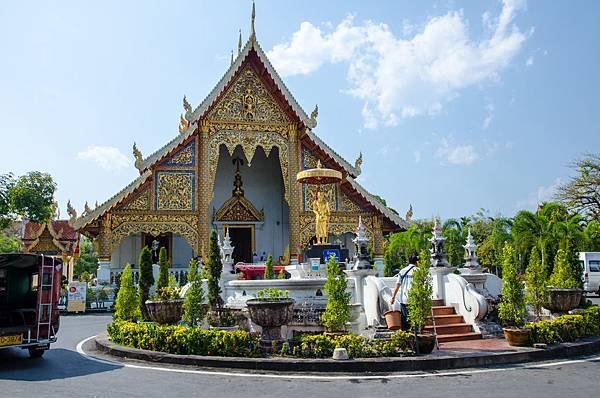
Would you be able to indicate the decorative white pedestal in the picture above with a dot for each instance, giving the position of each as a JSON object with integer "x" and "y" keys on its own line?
{"x": 379, "y": 265}
{"x": 103, "y": 272}
{"x": 359, "y": 276}
{"x": 438, "y": 274}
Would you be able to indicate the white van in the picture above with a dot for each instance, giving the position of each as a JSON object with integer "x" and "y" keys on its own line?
{"x": 591, "y": 271}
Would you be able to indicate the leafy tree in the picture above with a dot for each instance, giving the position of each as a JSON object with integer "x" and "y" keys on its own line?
{"x": 214, "y": 267}
{"x": 337, "y": 311}
{"x": 563, "y": 276}
{"x": 194, "y": 310}
{"x": 6, "y": 182}
{"x": 535, "y": 280}
{"x": 455, "y": 232}
{"x": 591, "y": 236}
{"x": 269, "y": 271}
{"x": 163, "y": 272}
{"x": 420, "y": 293}
{"x": 127, "y": 303}
{"x": 582, "y": 192}
{"x": 32, "y": 196}
{"x": 403, "y": 244}
{"x": 146, "y": 279}
{"x": 9, "y": 244}
{"x": 87, "y": 261}
{"x": 383, "y": 202}
{"x": 512, "y": 310}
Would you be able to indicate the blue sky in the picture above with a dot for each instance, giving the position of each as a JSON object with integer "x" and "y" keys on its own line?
{"x": 456, "y": 105}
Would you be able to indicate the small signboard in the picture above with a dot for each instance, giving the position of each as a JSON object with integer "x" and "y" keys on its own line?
{"x": 76, "y": 296}
{"x": 327, "y": 253}
{"x": 315, "y": 264}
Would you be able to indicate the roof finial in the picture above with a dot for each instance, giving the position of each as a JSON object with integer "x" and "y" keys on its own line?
{"x": 240, "y": 43}
{"x": 252, "y": 32}
{"x": 231, "y": 57}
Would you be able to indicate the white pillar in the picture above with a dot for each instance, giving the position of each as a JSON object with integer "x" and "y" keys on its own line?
{"x": 103, "y": 272}
{"x": 379, "y": 265}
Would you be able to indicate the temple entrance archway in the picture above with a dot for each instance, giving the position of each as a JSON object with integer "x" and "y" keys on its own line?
{"x": 250, "y": 200}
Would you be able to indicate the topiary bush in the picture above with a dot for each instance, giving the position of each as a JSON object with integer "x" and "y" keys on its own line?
{"x": 511, "y": 311}
{"x": 126, "y": 305}
{"x": 337, "y": 311}
{"x": 563, "y": 275}
{"x": 194, "y": 309}
{"x": 214, "y": 268}
{"x": 269, "y": 270}
{"x": 420, "y": 293}
{"x": 163, "y": 269}
{"x": 535, "y": 280}
{"x": 146, "y": 280}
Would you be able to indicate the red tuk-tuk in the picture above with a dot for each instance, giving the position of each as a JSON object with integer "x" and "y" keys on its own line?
{"x": 29, "y": 295}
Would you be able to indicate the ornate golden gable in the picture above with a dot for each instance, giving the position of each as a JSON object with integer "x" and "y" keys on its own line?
{"x": 239, "y": 209}
{"x": 248, "y": 100}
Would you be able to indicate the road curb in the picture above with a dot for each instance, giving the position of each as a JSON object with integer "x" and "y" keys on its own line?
{"x": 371, "y": 365}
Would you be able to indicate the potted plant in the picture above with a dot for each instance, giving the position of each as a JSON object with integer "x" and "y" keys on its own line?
{"x": 337, "y": 311}
{"x": 564, "y": 293}
{"x": 512, "y": 311}
{"x": 270, "y": 309}
{"x": 419, "y": 305}
{"x": 166, "y": 306}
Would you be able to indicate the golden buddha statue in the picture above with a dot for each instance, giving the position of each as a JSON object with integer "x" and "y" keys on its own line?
{"x": 322, "y": 213}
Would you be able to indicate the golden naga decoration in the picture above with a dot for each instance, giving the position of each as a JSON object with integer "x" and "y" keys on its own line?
{"x": 320, "y": 176}
{"x": 314, "y": 114}
{"x": 186, "y": 105}
{"x": 86, "y": 209}
{"x": 184, "y": 124}
{"x": 358, "y": 163}
{"x": 139, "y": 159}
{"x": 71, "y": 212}
{"x": 409, "y": 214}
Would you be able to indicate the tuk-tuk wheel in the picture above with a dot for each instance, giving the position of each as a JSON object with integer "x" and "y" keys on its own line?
{"x": 36, "y": 352}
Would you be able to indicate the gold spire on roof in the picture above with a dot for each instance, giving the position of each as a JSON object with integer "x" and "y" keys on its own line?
{"x": 252, "y": 32}
{"x": 240, "y": 43}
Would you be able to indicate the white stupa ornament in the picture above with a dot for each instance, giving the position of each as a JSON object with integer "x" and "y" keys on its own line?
{"x": 471, "y": 260}
{"x": 361, "y": 257}
{"x": 438, "y": 254}
{"x": 227, "y": 252}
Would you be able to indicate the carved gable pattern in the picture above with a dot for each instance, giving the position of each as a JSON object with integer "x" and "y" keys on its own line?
{"x": 174, "y": 190}
{"x": 239, "y": 210}
{"x": 248, "y": 100}
{"x": 140, "y": 202}
{"x": 309, "y": 192}
{"x": 348, "y": 205}
{"x": 184, "y": 157}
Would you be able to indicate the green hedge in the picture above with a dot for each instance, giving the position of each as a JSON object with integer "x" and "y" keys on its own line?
{"x": 566, "y": 328}
{"x": 322, "y": 346}
{"x": 175, "y": 339}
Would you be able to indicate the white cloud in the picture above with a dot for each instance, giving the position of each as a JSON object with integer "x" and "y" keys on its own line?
{"x": 540, "y": 195}
{"x": 107, "y": 157}
{"x": 457, "y": 154}
{"x": 530, "y": 61}
{"x": 489, "y": 117}
{"x": 418, "y": 156}
{"x": 400, "y": 77}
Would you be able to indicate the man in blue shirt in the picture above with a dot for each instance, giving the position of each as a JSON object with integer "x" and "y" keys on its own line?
{"x": 403, "y": 285}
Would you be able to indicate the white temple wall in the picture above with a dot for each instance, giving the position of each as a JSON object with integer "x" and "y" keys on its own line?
{"x": 127, "y": 252}
{"x": 182, "y": 252}
{"x": 263, "y": 186}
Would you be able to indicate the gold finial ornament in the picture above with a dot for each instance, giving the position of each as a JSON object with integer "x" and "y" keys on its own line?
{"x": 252, "y": 32}
{"x": 86, "y": 208}
{"x": 186, "y": 105}
{"x": 138, "y": 157}
{"x": 409, "y": 213}
{"x": 184, "y": 124}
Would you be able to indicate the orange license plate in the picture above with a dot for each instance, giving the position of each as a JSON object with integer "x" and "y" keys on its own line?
{"x": 11, "y": 340}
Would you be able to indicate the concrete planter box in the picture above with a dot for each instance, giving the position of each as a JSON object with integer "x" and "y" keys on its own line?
{"x": 165, "y": 311}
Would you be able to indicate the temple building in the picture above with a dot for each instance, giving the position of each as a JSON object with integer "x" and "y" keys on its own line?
{"x": 233, "y": 164}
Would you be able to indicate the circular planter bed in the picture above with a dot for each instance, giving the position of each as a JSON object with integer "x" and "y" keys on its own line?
{"x": 270, "y": 315}
{"x": 164, "y": 312}
{"x": 517, "y": 337}
{"x": 563, "y": 300}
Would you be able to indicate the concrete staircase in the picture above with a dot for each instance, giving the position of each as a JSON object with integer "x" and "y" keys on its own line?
{"x": 449, "y": 325}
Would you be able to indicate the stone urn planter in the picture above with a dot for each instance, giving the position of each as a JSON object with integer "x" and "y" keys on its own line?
{"x": 271, "y": 315}
{"x": 165, "y": 312}
{"x": 518, "y": 337}
{"x": 563, "y": 300}
{"x": 424, "y": 343}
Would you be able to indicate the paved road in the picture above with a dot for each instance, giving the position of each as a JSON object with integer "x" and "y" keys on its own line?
{"x": 65, "y": 373}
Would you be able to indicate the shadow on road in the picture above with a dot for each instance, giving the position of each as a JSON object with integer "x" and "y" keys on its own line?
{"x": 57, "y": 363}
